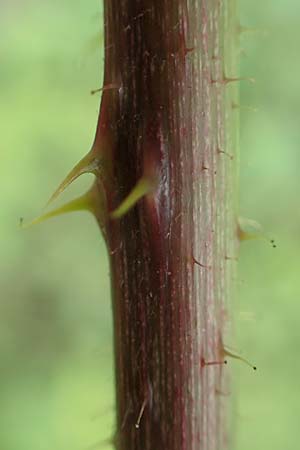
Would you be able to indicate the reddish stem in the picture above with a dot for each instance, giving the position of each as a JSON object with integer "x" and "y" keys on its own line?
{"x": 167, "y": 119}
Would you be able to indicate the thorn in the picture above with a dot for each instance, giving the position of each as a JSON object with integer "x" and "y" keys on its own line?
{"x": 83, "y": 203}
{"x": 106, "y": 88}
{"x": 88, "y": 164}
{"x": 138, "y": 422}
{"x": 240, "y": 358}
{"x": 249, "y": 229}
{"x": 143, "y": 187}
{"x": 227, "y": 80}
{"x": 233, "y": 80}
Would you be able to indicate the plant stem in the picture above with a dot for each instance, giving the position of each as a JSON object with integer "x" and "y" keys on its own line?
{"x": 170, "y": 118}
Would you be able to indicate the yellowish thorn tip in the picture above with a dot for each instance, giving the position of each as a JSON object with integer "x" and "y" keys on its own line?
{"x": 83, "y": 203}
{"x": 143, "y": 187}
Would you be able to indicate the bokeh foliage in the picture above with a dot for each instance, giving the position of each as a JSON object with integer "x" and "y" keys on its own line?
{"x": 56, "y": 377}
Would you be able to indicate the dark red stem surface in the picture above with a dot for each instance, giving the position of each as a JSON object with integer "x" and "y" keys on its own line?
{"x": 168, "y": 117}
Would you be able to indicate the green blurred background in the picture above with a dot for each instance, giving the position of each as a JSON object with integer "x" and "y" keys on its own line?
{"x": 56, "y": 377}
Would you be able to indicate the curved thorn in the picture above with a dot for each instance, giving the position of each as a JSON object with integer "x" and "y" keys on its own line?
{"x": 83, "y": 203}
{"x": 249, "y": 229}
{"x": 88, "y": 164}
{"x": 143, "y": 187}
